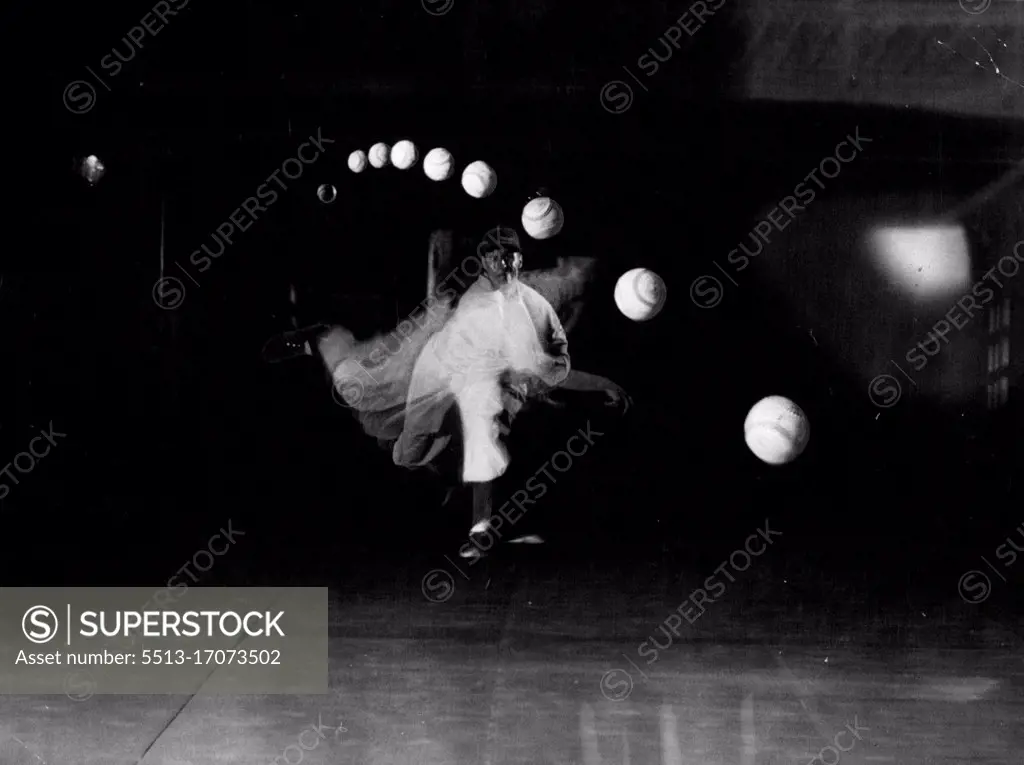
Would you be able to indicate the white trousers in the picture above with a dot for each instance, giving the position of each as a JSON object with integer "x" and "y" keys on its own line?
{"x": 479, "y": 402}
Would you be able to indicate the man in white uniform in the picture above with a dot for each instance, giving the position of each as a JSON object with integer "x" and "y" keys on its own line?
{"x": 502, "y": 345}
{"x": 483, "y": 354}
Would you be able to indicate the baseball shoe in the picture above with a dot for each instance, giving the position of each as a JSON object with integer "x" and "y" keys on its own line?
{"x": 480, "y": 541}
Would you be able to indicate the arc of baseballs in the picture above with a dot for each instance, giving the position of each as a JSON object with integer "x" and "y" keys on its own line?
{"x": 422, "y": 158}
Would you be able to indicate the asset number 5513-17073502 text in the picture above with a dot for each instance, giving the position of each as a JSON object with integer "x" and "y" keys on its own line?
{"x": 207, "y": 656}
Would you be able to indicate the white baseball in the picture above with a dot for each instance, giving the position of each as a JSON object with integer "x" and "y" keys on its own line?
{"x": 404, "y": 155}
{"x": 479, "y": 179}
{"x": 380, "y": 155}
{"x": 640, "y": 294}
{"x": 357, "y": 161}
{"x": 543, "y": 218}
{"x": 438, "y": 164}
{"x": 776, "y": 430}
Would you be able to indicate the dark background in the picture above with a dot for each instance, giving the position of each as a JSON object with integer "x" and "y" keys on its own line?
{"x": 175, "y": 425}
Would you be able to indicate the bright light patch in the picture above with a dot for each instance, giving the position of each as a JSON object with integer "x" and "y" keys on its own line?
{"x": 92, "y": 169}
{"x": 923, "y": 261}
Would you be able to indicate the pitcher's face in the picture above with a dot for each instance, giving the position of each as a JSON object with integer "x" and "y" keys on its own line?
{"x": 502, "y": 266}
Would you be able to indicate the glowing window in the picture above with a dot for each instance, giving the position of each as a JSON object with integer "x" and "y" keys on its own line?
{"x": 924, "y": 261}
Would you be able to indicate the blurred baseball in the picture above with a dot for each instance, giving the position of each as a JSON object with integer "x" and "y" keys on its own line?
{"x": 326, "y": 193}
{"x": 438, "y": 164}
{"x": 404, "y": 155}
{"x": 776, "y": 430}
{"x": 543, "y": 218}
{"x": 479, "y": 179}
{"x": 640, "y": 294}
{"x": 357, "y": 161}
{"x": 379, "y": 155}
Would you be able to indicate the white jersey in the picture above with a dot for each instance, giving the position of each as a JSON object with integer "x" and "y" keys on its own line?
{"x": 491, "y": 331}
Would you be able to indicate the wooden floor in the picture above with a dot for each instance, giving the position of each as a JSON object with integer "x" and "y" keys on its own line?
{"x": 539, "y": 670}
